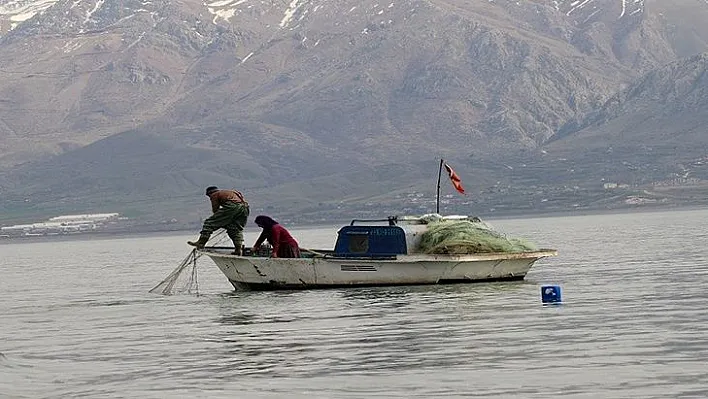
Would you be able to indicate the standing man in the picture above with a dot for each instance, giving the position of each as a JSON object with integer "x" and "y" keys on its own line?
{"x": 230, "y": 211}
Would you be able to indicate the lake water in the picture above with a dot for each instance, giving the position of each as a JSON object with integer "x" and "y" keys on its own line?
{"x": 78, "y": 321}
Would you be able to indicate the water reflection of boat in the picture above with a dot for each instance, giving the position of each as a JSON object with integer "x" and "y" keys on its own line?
{"x": 372, "y": 255}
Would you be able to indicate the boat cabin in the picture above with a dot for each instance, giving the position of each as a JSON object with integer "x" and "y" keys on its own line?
{"x": 371, "y": 241}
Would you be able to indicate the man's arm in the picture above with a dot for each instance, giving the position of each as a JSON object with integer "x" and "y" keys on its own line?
{"x": 214, "y": 202}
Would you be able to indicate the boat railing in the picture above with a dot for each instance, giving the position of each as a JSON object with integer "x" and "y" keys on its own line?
{"x": 425, "y": 219}
{"x": 390, "y": 219}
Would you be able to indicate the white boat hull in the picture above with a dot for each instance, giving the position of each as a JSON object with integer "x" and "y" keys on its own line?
{"x": 246, "y": 272}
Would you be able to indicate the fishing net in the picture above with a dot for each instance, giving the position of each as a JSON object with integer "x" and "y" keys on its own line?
{"x": 460, "y": 237}
{"x": 178, "y": 281}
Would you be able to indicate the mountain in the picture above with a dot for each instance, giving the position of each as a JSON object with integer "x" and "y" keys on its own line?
{"x": 314, "y": 105}
{"x": 656, "y": 126}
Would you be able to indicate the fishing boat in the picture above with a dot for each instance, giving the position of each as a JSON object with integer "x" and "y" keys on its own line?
{"x": 372, "y": 253}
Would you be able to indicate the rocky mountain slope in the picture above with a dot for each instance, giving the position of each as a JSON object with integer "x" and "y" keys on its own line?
{"x": 305, "y": 104}
{"x": 656, "y": 124}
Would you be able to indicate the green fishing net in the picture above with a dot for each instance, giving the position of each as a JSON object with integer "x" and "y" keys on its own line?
{"x": 468, "y": 237}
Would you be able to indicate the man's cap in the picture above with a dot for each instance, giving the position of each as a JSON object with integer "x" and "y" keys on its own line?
{"x": 211, "y": 189}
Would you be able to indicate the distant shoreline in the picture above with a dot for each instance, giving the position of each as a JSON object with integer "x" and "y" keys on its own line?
{"x": 591, "y": 212}
{"x": 144, "y": 231}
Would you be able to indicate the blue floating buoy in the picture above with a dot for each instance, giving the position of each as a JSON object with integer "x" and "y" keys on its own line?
{"x": 551, "y": 294}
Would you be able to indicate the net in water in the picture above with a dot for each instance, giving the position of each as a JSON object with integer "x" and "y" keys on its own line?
{"x": 180, "y": 282}
{"x": 177, "y": 281}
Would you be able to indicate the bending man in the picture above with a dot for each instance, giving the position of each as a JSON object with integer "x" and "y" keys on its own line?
{"x": 230, "y": 211}
{"x": 284, "y": 245}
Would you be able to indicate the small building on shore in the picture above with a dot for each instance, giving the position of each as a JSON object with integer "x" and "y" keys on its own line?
{"x": 64, "y": 224}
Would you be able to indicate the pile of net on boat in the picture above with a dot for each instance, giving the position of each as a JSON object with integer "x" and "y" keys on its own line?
{"x": 467, "y": 236}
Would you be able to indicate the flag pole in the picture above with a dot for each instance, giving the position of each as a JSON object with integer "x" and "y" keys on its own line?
{"x": 437, "y": 198}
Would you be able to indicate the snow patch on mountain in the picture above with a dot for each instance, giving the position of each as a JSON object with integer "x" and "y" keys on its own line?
{"x": 95, "y": 8}
{"x": 224, "y": 9}
{"x": 591, "y": 7}
{"x": 14, "y": 12}
{"x": 627, "y": 7}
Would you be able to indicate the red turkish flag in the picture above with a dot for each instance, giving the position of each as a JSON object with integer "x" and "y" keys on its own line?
{"x": 455, "y": 179}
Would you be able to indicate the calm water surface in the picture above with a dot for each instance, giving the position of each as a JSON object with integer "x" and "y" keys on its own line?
{"x": 78, "y": 321}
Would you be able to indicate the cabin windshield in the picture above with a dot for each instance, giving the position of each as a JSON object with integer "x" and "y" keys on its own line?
{"x": 370, "y": 241}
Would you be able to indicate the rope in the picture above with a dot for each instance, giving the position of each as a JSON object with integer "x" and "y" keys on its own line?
{"x": 313, "y": 252}
{"x": 193, "y": 277}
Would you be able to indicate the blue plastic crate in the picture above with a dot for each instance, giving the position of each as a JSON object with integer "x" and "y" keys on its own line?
{"x": 550, "y": 294}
